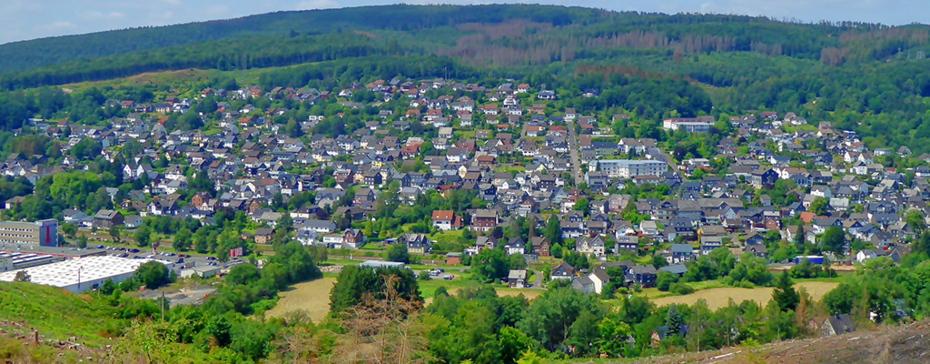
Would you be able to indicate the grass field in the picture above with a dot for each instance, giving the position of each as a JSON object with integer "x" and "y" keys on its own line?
{"x": 720, "y": 297}
{"x": 312, "y": 297}
{"x": 57, "y": 314}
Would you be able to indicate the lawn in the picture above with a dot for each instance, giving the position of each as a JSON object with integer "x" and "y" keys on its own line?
{"x": 447, "y": 236}
{"x": 312, "y": 297}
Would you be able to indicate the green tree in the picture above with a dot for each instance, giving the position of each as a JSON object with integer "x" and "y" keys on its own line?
{"x": 293, "y": 129}
{"x": 152, "y": 275}
{"x": 819, "y": 206}
{"x": 799, "y": 238}
{"x": 398, "y": 253}
{"x": 582, "y": 205}
{"x": 143, "y": 236}
{"x": 553, "y": 230}
{"x": 550, "y": 316}
{"x": 513, "y": 343}
{"x": 69, "y": 229}
{"x": 613, "y": 336}
{"x": 664, "y": 280}
{"x": 834, "y": 240}
{"x": 584, "y": 334}
{"x": 182, "y": 240}
{"x": 356, "y": 282}
{"x": 915, "y": 219}
{"x": 673, "y": 321}
{"x": 784, "y": 294}
{"x": 115, "y": 235}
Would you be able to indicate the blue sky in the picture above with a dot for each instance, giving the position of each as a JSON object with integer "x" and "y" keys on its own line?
{"x": 30, "y": 19}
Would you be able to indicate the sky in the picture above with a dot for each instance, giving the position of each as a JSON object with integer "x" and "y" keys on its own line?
{"x": 30, "y": 19}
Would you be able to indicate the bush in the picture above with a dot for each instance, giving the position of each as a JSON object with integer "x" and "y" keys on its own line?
{"x": 679, "y": 288}
{"x": 746, "y": 284}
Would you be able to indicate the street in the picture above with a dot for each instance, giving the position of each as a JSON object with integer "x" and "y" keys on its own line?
{"x": 573, "y": 151}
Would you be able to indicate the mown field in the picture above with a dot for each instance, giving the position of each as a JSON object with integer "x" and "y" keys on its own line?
{"x": 312, "y": 297}
{"x": 720, "y": 297}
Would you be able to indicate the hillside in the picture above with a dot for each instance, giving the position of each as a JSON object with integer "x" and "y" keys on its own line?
{"x": 899, "y": 344}
{"x": 487, "y": 35}
{"x": 56, "y": 314}
{"x": 47, "y": 51}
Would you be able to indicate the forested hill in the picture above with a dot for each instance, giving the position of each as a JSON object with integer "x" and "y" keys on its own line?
{"x": 47, "y": 51}
{"x": 498, "y": 34}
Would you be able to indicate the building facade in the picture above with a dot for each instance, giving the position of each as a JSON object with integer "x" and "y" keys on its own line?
{"x": 625, "y": 168}
{"x": 42, "y": 233}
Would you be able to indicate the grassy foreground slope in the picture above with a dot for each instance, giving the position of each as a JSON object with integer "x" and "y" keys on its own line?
{"x": 56, "y": 314}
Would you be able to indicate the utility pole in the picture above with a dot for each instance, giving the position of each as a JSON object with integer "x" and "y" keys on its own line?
{"x": 162, "y": 306}
{"x": 79, "y": 278}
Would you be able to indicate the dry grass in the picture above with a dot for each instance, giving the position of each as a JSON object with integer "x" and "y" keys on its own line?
{"x": 530, "y": 294}
{"x": 885, "y": 344}
{"x": 720, "y": 297}
{"x": 312, "y": 297}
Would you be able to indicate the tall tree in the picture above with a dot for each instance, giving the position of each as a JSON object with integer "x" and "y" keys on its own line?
{"x": 784, "y": 294}
{"x": 553, "y": 230}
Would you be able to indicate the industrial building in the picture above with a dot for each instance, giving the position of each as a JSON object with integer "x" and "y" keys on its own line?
{"x": 374, "y": 264}
{"x": 625, "y": 168}
{"x": 51, "y": 251}
{"x": 39, "y": 233}
{"x": 16, "y": 260}
{"x": 79, "y": 275}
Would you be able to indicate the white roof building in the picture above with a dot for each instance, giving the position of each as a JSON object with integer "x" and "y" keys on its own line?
{"x": 79, "y": 275}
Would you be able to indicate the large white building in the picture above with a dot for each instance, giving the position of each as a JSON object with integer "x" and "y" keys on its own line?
{"x": 691, "y": 125}
{"x": 625, "y": 168}
{"x": 79, "y": 275}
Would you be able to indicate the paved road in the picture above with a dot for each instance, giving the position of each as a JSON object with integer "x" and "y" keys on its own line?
{"x": 537, "y": 284}
{"x": 573, "y": 151}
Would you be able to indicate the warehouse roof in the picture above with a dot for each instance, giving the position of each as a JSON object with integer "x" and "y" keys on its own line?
{"x": 64, "y": 274}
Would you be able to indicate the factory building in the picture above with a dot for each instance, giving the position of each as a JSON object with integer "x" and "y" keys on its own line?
{"x": 80, "y": 275}
{"x": 38, "y": 233}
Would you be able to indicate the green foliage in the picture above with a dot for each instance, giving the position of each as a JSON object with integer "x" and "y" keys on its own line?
{"x": 355, "y": 282}
{"x": 553, "y": 230}
{"x": 819, "y": 206}
{"x": 398, "y": 253}
{"x": 494, "y": 264}
{"x": 550, "y": 316}
{"x": 784, "y": 294}
{"x": 834, "y": 240}
{"x": 152, "y": 275}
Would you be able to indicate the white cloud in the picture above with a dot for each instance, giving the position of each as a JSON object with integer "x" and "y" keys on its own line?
{"x": 317, "y": 4}
{"x": 62, "y": 25}
{"x": 96, "y": 15}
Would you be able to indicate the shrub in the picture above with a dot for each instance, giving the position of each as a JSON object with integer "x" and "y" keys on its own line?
{"x": 681, "y": 288}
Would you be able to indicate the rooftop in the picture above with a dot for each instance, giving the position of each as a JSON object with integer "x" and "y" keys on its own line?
{"x": 65, "y": 274}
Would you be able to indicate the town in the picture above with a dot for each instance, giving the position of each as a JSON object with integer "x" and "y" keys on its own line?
{"x": 500, "y": 163}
